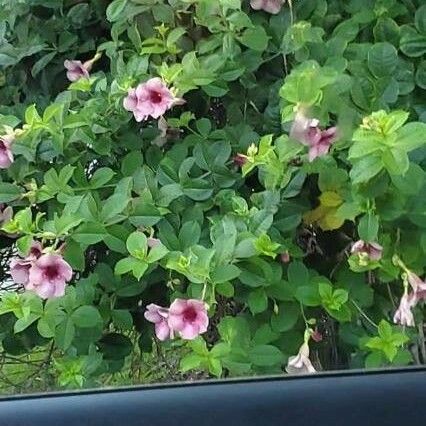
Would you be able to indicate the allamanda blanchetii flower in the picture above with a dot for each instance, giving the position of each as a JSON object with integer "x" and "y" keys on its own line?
{"x": 48, "y": 276}
{"x": 150, "y": 99}
{"x": 404, "y": 314}
{"x": 270, "y": 6}
{"x": 159, "y": 316}
{"x": 371, "y": 250}
{"x": 410, "y": 299}
{"x": 300, "y": 364}
{"x": 77, "y": 69}
{"x": 186, "y": 318}
{"x": 307, "y": 131}
{"x": 6, "y": 155}
{"x": 20, "y": 267}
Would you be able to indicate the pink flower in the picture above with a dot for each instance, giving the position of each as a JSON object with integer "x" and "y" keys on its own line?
{"x": 285, "y": 257}
{"x": 416, "y": 282}
{"x": 77, "y": 70}
{"x": 188, "y": 318}
{"x": 270, "y": 6}
{"x": 371, "y": 250}
{"x": 240, "y": 159}
{"x": 159, "y": 315}
{"x": 316, "y": 335}
{"x": 35, "y": 252}
{"x": 300, "y": 364}
{"x": 418, "y": 286}
{"x": 308, "y": 132}
{"x": 6, "y": 155}
{"x": 404, "y": 314}
{"x": 48, "y": 276}
{"x": 20, "y": 268}
{"x": 150, "y": 99}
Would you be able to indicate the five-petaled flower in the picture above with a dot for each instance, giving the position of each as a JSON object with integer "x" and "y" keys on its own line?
{"x": 307, "y": 131}
{"x": 77, "y": 69}
{"x": 159, "y": 316}
{"x": 150, "y": 99}
{"x": 186, "y": 318}
{"x": 46, "y": 274}
{"x": 270, "y": 6}
{"x": 300, "y": 363}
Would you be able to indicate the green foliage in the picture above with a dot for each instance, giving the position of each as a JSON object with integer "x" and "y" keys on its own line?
{"x": 147, "y": 215}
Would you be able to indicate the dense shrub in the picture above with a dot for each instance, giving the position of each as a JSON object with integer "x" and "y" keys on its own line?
{"x": 210, "y": 188}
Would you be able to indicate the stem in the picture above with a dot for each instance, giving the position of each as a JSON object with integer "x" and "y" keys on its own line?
{"x": 303, "y": 315}
{"x": 275, "y": 55}
{"x": 203, "y": 294}
{"x": 285, "y": 64}
{"x": 290, "y": 5}
{"x": 391, "y": 295}
{"x": 364, "y": 315}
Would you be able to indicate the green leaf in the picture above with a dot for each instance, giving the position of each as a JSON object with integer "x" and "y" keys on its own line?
{"x": 157, "y": 253}
{"x": 113, "y": 206}
{"x": 365, "y": 169}
{"x": 90, "y": 233}
{"x": 101, "y": 177}
{"x": 225, "y": 273}
{"x": 24, "y": 322}
{"x": 368, "y": 227}
{"x": 420, "y": 19}
{"x": 189, "y": 234}
{"x": 286, "y": 318}
{"x": 411, "y": 136}
{"x": 265, "y": 355}
{"x": 298, "y": 274}
{"x": 257, "y": 301}
{"x": 64, "y": 333}
{"x": 264, "y": 335}
{"x": 421, "y": 75}
{"x": 255, "y": 38}
{"x": 388, "y": 30}
{"x": 24, "y": 244}
{"x": 9, "y": 192}
{"x": 137, "y": 245}
{"x": 190, "y": 362}
{"x": 396, "y": 161}
{"x": 122, "y": 318}
{"x": 130, "y": 264}
{"x": 42, "y": 63}
{"x": 86, "y": 317}
{"x": 115, "y": 10}
{"x": 413, "y": 44}
{"x": 74, "y": 255}
{"x": 382, "y": 59}
{"x": 394, "y": 121}
{"x": 308, "y": 295}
